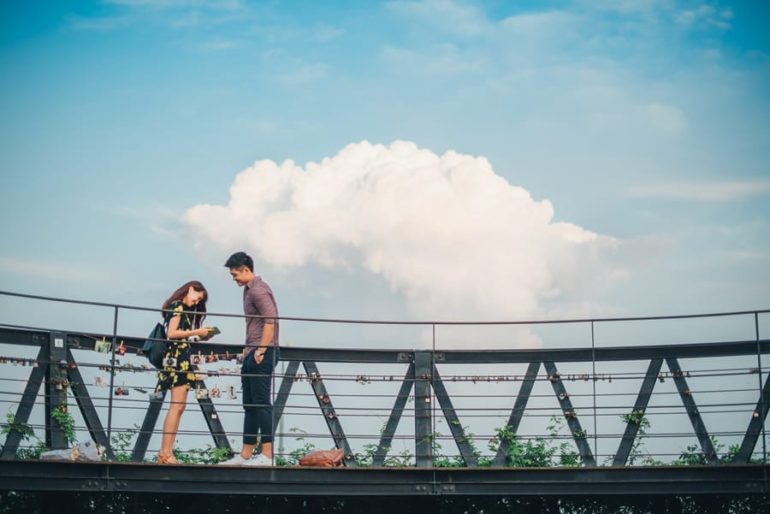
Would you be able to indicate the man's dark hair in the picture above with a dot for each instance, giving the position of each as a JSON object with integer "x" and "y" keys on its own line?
{"x": 239, "y": 259}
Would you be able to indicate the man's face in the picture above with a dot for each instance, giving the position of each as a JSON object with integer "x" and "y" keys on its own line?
{"x": 241, "y": 275}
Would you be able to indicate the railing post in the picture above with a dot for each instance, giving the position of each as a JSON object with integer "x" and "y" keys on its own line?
{"x": 593, "y": 368}
{"x": 763, "y": 407}
{"x": 423, "y": 418}
{"x": 112, "y": 373}
{"x": 56, "y": 391}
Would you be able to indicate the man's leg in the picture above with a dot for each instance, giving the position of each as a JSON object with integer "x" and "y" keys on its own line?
{"x": 261, "y": 395}
{"x": 250, "y": 417}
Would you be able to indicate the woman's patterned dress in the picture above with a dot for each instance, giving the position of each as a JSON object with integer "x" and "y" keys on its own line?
{"x": 177, "y": 370}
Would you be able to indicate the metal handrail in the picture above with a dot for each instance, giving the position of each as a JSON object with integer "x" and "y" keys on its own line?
{"x": 403, "y": 322}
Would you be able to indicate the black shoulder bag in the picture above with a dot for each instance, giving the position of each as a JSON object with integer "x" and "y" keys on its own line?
{"x": 155, "y": 345}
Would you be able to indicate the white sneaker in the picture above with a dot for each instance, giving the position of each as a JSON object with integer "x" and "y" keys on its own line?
{"x": 258, "y": 460}
{"x": 237, "y": 460}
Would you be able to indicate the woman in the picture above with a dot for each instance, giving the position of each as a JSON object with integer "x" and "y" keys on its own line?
{"x": 183, "y": 312}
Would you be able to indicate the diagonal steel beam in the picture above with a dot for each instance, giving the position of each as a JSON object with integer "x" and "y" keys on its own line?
{"x": 578, "y": 434}
{"x": 148, "y": 426}
{"x": 692, "y": 411}
{"x": 642, "y": 400}
{"x": 283, "y": 393}
{"x": 466, "y": 450}
{"x": 754, "y": 429}
{"x": 83, "y": 399}
{"x": 518, "y": 411}
{"x": 327, "y": 409}
{"x": 212, "y": 419}
{"x": 386, "y": 439}
{"x": 27, "y": 402}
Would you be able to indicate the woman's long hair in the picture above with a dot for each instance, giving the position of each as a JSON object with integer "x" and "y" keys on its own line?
{"x": 199, "y": 310}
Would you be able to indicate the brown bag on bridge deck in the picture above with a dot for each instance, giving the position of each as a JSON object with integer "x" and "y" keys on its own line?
{"x": 323, "y": 458}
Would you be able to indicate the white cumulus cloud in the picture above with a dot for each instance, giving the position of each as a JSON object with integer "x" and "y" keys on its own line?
{"x": 452, "y": 237}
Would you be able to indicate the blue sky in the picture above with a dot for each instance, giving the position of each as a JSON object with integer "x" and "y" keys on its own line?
{"x": 623, "y": 147}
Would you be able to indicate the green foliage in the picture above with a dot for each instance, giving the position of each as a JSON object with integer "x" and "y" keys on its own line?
{"x": 637, "y": 417}
{"x": 443, "y": 461}
{"x": 219, "y": 455}
{"x": 122, "y": 449}
{"x": 525, "y": 453}
{"x": 691, "y": 455}
{"x": 401, "y": 460}
{"x": 456, "y": 461}
{"x": 208, "y": 455}
{"x": 568, "y": 456}
{"x": 12, "y": 425}
{"x": 637, "y": 453}
{"x": 32, "y": 452}
{"x": 732, "y": 454}
{"x": 27, "y": 434}
{"x": 528, "y": 453}
{"x": 481, "y": 460}
{"x": 694, "y": 455}
{"x": 365, "y": 457}
{"x": 536, "y": 452}
{"x": 121, "y": 444}
{"x": 295, "y": 455}
{"x": 65, "y": 421}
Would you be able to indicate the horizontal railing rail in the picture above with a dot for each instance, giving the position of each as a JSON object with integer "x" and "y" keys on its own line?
{"x": 404, "y": 322}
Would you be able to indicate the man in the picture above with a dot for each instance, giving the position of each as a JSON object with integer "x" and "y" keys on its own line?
{"x": 259, "y": 357}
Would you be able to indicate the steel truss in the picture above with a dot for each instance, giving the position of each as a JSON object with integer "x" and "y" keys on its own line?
{"x": 57, "y": 368}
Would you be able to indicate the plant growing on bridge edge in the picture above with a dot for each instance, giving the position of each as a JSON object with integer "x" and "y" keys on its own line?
{"x": 444, "y": 461}
{"x": 121, "y": 444}
{"x": 11, "y": 425}
{"x": 536, "y": 452}
{"x": 27, "y": 434}
{"x": 365, "y": 457}
{"x": 522, "y": 453}
{"x": 568, "y": 456}
{"x": 65, "y": 421}
{"x": 401, "y": 460}
{"x": 693, "y": 454}
{"x": 207, "y": 455}
{"x": 637, "y": 417}
{"x": 293, "y": 458}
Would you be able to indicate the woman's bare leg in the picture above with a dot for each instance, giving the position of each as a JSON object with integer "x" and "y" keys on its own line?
{"x": 171, "y": 423}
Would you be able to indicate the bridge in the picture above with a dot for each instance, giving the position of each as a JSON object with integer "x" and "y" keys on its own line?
{"x": 601, "y": 407}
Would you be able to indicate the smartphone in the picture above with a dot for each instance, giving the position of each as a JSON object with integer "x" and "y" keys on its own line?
{"x": 213, "y": 331}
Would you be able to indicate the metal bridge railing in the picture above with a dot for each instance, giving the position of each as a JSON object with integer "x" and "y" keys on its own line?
{"x": 661, "y": 404}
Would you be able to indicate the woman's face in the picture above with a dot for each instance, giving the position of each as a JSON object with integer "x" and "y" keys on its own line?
{"x": 193, "y": 297}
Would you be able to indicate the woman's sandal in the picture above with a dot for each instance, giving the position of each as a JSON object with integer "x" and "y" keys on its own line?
{"x": 166, "y": 459}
